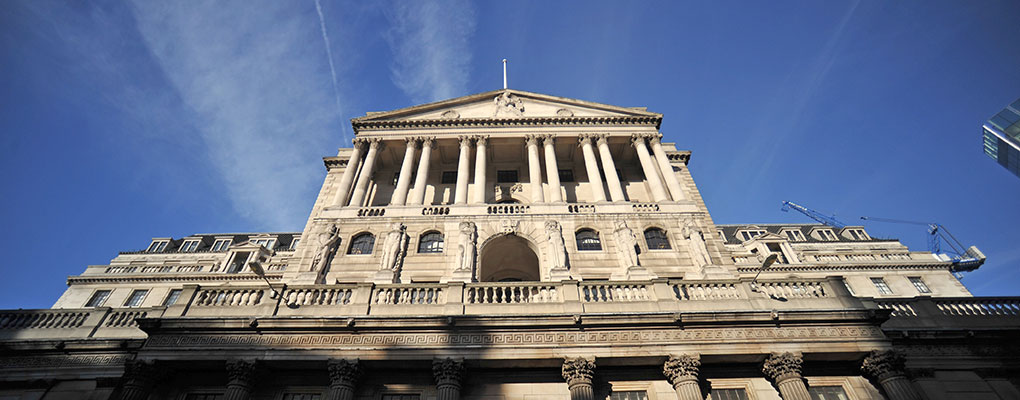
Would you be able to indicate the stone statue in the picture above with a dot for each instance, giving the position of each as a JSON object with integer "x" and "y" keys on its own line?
{"x": 695, "y": 243}
{"x": 466, "y": 247}
{"x": 626, "y": 244}
{"x": 555, "y": 238}
{"x": 393, "y": 247}
{"x": 507, "y": 103}
{"x": 328, "y": 242}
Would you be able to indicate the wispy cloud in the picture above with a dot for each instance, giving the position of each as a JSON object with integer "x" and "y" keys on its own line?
{"x": 430, "y": 44}
{"x": 329, "y": 56}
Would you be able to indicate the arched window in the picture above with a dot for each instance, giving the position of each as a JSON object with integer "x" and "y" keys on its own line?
{"x": 362, "y": 244}
{"x": 656, "y": 239}
{"x": 588, "y": 239}
{"x": 430, "y": 242}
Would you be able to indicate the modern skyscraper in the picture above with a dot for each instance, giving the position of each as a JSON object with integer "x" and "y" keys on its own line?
{"x": 1002, "y": 137}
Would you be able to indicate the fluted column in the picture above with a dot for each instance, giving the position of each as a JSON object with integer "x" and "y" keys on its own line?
{"x": 366, "y": 173}
{"x": 344, "y": 188}
{"x": 480, "y": 165}
{"x": 535, "y": 170}
{"x": 665, "y": 168}
{"x": 463, "y": 164}
{"x": 682, "y": 372}
{"x": 421, "y": 181}
{"x": 785, "y": 372}
{"x": 448, "y": 373}
{"x": 552, "y": 170}
{"x": 240, "y": 379}
{"x": 886, "y": 368}
{"x": 139, "y": 378}
{"x": 594, "y": 177}
{"x": 579, "y": 372}
{"x": 651, "y": 172}
{"x": 343, "y": 376}
{"x": 609, "y": 167}
{"x": 404, "y": 178}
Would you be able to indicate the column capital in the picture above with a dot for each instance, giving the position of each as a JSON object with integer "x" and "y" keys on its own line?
{"x": 374, "y": 143}
{"x": 532, "y": 140}
{"x": 427, "y": 140}
{"x": 548, "y": 140}
{"x": 654, "y": 138}
{"x": 578, "y": 371}
{"x": 343, "y": 372}
{"x": 585, "y": 138}
{"x": 782, "y": 366}
{"x": 465, "y": 140}
{"x": 412, "y": 141}
{"x": 142, "y": 374}
{"x": 357, "y": 142}
{"x": 881, "y": 365}
{"x": 481, "y": 139}
{"x": 601, "y": 138}
{"x": 637, "y": 140}
{"x": 448, "y": 371}
{"x": 680, "y": 368}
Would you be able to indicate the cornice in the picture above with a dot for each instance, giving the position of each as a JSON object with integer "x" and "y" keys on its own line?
{"x": 845, "y": 267}
{"x": 170, "y": 278}
{"x": 655, "y": 121}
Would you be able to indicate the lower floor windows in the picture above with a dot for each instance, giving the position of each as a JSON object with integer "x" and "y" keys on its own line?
{"x": 98, "y": 298}
{"x": 629, "y": 395}
{"x": 136, "y": 298}
{"x": 883, "y": 288}
{"x": 728, "y": 394}
{"x": 402, "y": 396}
{"x": 171, "y": 298}
{"x": 827, "y": 393}
{"x": 302, "y": 396}
{"x": 919, "y": 284}
{"x": 203, "y": 396}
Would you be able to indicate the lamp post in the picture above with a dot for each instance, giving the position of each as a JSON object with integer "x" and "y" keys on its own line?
{"x": 771, "y": 259}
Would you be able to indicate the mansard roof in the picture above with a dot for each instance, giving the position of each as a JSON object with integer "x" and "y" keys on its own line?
{"x": 207, "y": 240}
{"x": 730, "y": 232}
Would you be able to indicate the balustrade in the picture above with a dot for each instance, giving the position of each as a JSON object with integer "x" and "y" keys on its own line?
{"x": 372, "y": 212}
{"x": 511, "y": 294}
{"x": 229, "y": 297}
{"x": 645, "y": 207}
{"x": 121, "y": 270}
{"x": 800, "y": 289}
{"x": 613, "y": 292}
{"x": 901, "y": 308}
{"x": 979, "y": 307}
{"x": 124, "y": 319}
{"x": 706, "y": 291}
{"x": 407, "y": 295}
{"x": 47, "y": 319}
{"x": 581, "y": 208}
{"x": 435, "y": 211}
{"x": 508, "y": 209}
{"x": 319, "y": 297}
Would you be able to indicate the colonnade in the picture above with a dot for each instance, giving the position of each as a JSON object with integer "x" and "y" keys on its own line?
{"x": 354, "y": 183}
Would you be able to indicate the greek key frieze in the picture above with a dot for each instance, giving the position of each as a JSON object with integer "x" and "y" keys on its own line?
{"x": 62, "y": 361}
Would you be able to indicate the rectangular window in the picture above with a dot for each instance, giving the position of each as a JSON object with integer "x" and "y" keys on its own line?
{"x": 294, "y": 243}
{"x": 449, "y": 177}
{"x": 826, "y": 234}
{"x": 883, "y": 288}
{"x": 98, "y": 298}
{"x": 919, "y": 284}
{"x": 748, "y": 235}
{"x": 237, "y": 264}
{"x": 848, "y": 288}
{"x": 566, "y": 175}
{"x": 221, "y": 244}
{"x": 136, "y": 297}
{"x": 858, "y": 234}
{"x": 795, "y": 236}
{"x": 268, "y": 243}
{"x": 729, "y": 394}
{"x": 629, "y": 395}
{"x": 507, "y": 176}
{"x": 189, "y": 246}
{"x": 827, "y": 393}
{"x": 157, "y": 246}
{"x": 172, "y": 297}
{"x": 777, "y": 249}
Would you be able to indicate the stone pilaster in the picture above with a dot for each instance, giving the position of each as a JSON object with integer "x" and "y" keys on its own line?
{"x": 240, "y": 379}
{"x": 448, "y": 374}
{"x": 140, "y": 376}
{"x": 579, "y": 372}
{"x": 682, "y": 372}
{"x": 886, "y": 368}
{"x": 785, "y": 372}
{"x": 343, "y": 376}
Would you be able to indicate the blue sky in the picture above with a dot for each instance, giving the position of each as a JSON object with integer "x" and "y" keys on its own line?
{"x": 122, "y": 121}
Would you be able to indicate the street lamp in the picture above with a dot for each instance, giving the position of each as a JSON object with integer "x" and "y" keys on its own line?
{"x": 771, "y": 259}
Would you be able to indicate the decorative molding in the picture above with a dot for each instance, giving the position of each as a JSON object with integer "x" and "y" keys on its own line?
{"x": 507, "y": 122}
{"x": 213, "y": 276}
{"x": 50, "y": 362}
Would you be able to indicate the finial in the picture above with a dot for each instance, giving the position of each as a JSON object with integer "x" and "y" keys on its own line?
{"x": 504, "y": 73}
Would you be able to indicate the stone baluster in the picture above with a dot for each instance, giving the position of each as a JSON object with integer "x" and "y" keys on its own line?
{"x": 366, "y": 173}
{"x": 240, "y": 379}
{"x": 140, "y": 377}
{"x": 552, "y": 170}
{"x": 886, "y": 368}
{"x": 344, "y": 188}
{"x": 463, "y": 164}
{"x": 535, "y": 170}
{"x": 448, "y": 373}
{"x": 579, "y": 372}
{"x": 594, "y": 177}
{"x": 651, "y": 172}
{"x": 343, "y": 376}
{"x": 682, "y": 372}
{"x": 399, "y": 197}
{"x": 785, "y": 372}
{"x": 609, "y": 168}
{"x": 421, "y": 181}
{"x": 665, "y": 168}
{"x": 480, "y": 165}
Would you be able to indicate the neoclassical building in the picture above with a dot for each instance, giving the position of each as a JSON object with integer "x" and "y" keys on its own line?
{"x": 511, "y": 245}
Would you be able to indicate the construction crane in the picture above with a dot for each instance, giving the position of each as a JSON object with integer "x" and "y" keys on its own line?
{"x": 963, "y": 259}
{"x": 815, "y": 215}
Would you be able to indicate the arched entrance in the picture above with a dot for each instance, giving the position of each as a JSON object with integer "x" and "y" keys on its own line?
{"x": 508, "y": 258}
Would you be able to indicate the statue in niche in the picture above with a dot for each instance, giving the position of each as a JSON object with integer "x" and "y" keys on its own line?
{"x": 695, "y": 243}
{"x": 328, "y": 243}
{"x": 466, "y": 247}
{"x": 507, "y": 103}
{"x": 393, "y": 247}
{"x": 626, "y": 244}
{"x": 555, "y": 237}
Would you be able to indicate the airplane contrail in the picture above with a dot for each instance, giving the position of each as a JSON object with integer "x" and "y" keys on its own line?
{"x": 332, "y": 69}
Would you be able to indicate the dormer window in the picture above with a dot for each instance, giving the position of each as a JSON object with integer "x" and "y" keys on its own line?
{"x": 157, "y": 246}
{"x": 858, "y": 234}
{"x": 268, "y": 243}
{"x": 294, "y": 243}
{"x": 221, "y": 244}
{"x": 795, "y": 235}
{"x": 189, "y": 245}
{"x": 826, "y": 234}
{"x": 751, "y": 234}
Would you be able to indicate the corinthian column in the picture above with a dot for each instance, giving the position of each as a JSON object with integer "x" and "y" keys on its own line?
{"x": 448, "y": 373}
{"x": 366, "y": 173}
{"x": 344, "y": 188}
{"x": 658, "y": 192}
{"x": 480, "y": 158}
{"x": 784, "y": 370}
{"x": 552, "y": 171}
{"x": 535, "y": 170}
{"x": 240, "y": 379}
{"x": 609, "y": 167}
{"x": 682, "y": 372}
{"x": 420, "y": 182}
{"x": 343, "y": 376}
{"x": 578, "y": 372}
{"x": 667, "y": 170}
{"x": 139, "y": 378}
{"x": 594, "y": 177}
{"x": 886, "y": 368}
{"x": 460, "y": 197}
{"x": 404, "y": 179}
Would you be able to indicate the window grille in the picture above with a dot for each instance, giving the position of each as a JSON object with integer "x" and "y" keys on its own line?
{"x": 883, "y": 288}
{"x": 588, "y": 240}
{"x": 919, "y": 285}
{"x": 98, "y": 298}
{"x": 431, "y": 242}
{"x": 136, "y": 298}
{"x": 362, "y": 244}
{"x": 656, "y": 239}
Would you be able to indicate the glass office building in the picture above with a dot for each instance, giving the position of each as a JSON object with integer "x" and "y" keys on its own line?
{"x": 1002, "y": 137}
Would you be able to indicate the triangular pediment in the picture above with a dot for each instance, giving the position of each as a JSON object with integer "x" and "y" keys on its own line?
{"x": 505, "y": 104}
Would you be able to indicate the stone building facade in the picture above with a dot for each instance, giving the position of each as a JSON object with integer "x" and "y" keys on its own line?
{"x": 515, "y": 246}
